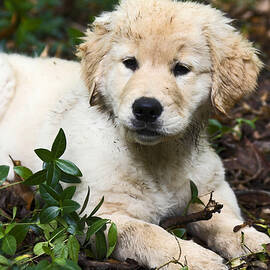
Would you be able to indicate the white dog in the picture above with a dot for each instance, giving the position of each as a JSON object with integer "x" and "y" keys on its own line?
{"x": 154, "y": 69}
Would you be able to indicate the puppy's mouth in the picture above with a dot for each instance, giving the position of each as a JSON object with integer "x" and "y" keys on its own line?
{"x": 146, "y": 133}
{"x": 147, "y": 136}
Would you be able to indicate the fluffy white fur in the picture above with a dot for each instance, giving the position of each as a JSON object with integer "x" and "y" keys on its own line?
{"x": 143, "y": 180}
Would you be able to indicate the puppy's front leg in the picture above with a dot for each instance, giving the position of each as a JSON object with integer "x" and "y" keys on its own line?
{"x": 152, "y": 246}
{"x": 218, "y": 231}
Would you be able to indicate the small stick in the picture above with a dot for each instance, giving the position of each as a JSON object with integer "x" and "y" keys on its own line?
{"x": 89, "y": 264}
{"x": 211, "y": 208}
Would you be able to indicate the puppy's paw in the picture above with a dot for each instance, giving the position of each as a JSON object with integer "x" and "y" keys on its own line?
{"x": 254, "y": 240}
{"x": 199, "y": 258}
{"x": 154, "y": 247}
{"x": 191, "y": 254}
{"x": 232, "y": 245}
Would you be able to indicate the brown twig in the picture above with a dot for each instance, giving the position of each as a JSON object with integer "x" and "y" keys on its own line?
{"x": 88, "y": 264}
{"x": 211, "y": 208}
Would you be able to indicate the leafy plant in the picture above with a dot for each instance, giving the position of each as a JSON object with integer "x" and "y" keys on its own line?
{"x": 217, "y": 130}
{"x": 57, "y": 225}
{"x": 237, "y": 129}
{"x": 51, "y": 25}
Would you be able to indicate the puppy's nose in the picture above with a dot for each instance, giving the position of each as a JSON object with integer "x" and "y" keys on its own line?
{"x": 147, "y": 109}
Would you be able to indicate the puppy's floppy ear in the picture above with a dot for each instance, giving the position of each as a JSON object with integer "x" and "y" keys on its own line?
{"x": 95, "y": 46}
{"x": 235, "y": 65}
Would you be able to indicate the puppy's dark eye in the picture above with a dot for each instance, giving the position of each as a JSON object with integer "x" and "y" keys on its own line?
{"x": 179, "y": 69}
{"x": 131, "y": 63}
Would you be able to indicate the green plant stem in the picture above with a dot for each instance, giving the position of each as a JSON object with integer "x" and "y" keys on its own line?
{"x": 4, "y": 215}
{"x": 57, "y": 235}
{"x": 6, "y": 224}
{"x": 31, "y": 259}
{"x": 10, "y": 185}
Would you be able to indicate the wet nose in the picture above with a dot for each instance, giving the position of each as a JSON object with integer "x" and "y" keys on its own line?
{"x": 147, "y": 109}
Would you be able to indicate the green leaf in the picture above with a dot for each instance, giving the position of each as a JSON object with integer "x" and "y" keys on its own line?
{"x": 179, "y": 232}
{"x": 58, "y": 232}
{"x": 36, "y": 179}
{"x": 59, "y": 144}
{"x": 74, "y": 223}
{"x": 3, "y": 260}
{"x": 75, "y": 36}
{"x": 67, "y": 264}
{"x": 14, "y": 212}
{"x": 23, "y": 172}
{"x": 70, "y": 179}
{"x": 2, "y": 233}
{"x": 197, "y": 201}
{"x": 46, "y": 196}
{"x": 68, "y": 167}
{"x": 97, "y": 207}
{"x": 101, "y": 245}
{"x": 48, "y": 228}
{"x": 251, "y": 123}
{"x": 19, "y": 232}
{"x": 184, "y": 268}
{"x": 112, "y": 239}
{"x": 43, "y": 265}
{"x": 69, "y": 206}
{"x": 215, "y": 123}
{"x": 95, "y": 227}
{"x": 4, "y": 170}
{"x": 22, "y": 258}
{"x": 51, "y": 191}
{"x": 9, "y": 245}
{"x": 60, "y": 250}
{"x": 47, "y": 250}
{"x": 44, "y": 154}
{"x": 73, "y": 248}
{"x": 85, "y": 201}
{"x": 53, "y": 174}
{"x": 194, "y": 190}
{"x": 68, "y": 193}
{"x": 38, "y": 248}
{"x": 9, "y": 227}
{"x": 48, "y": 214}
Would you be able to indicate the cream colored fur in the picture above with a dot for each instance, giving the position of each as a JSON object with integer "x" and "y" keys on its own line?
{"x": 142, "y": 181}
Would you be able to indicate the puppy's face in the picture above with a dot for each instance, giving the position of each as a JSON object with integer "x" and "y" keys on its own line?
{"x": 158, "y": 65}
{"x": 156, "y": 83}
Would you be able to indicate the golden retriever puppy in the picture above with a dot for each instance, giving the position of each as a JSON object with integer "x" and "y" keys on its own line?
{"x": 154, "y": 69}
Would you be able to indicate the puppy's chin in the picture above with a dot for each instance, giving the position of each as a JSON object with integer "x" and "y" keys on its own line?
{"x": 147, "y": 140}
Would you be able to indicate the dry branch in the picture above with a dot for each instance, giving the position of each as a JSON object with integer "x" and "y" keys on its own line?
{"x": 108, "y": 265}
{"x": 211, "y": 208}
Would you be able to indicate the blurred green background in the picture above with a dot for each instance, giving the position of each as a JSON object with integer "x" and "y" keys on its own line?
{"x": 54, "y": 26}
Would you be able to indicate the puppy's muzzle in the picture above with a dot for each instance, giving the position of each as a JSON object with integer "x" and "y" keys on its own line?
{"x": 147, "y": 109}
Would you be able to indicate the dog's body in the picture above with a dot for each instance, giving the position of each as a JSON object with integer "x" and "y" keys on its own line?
{"x": 141, "y": 160}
